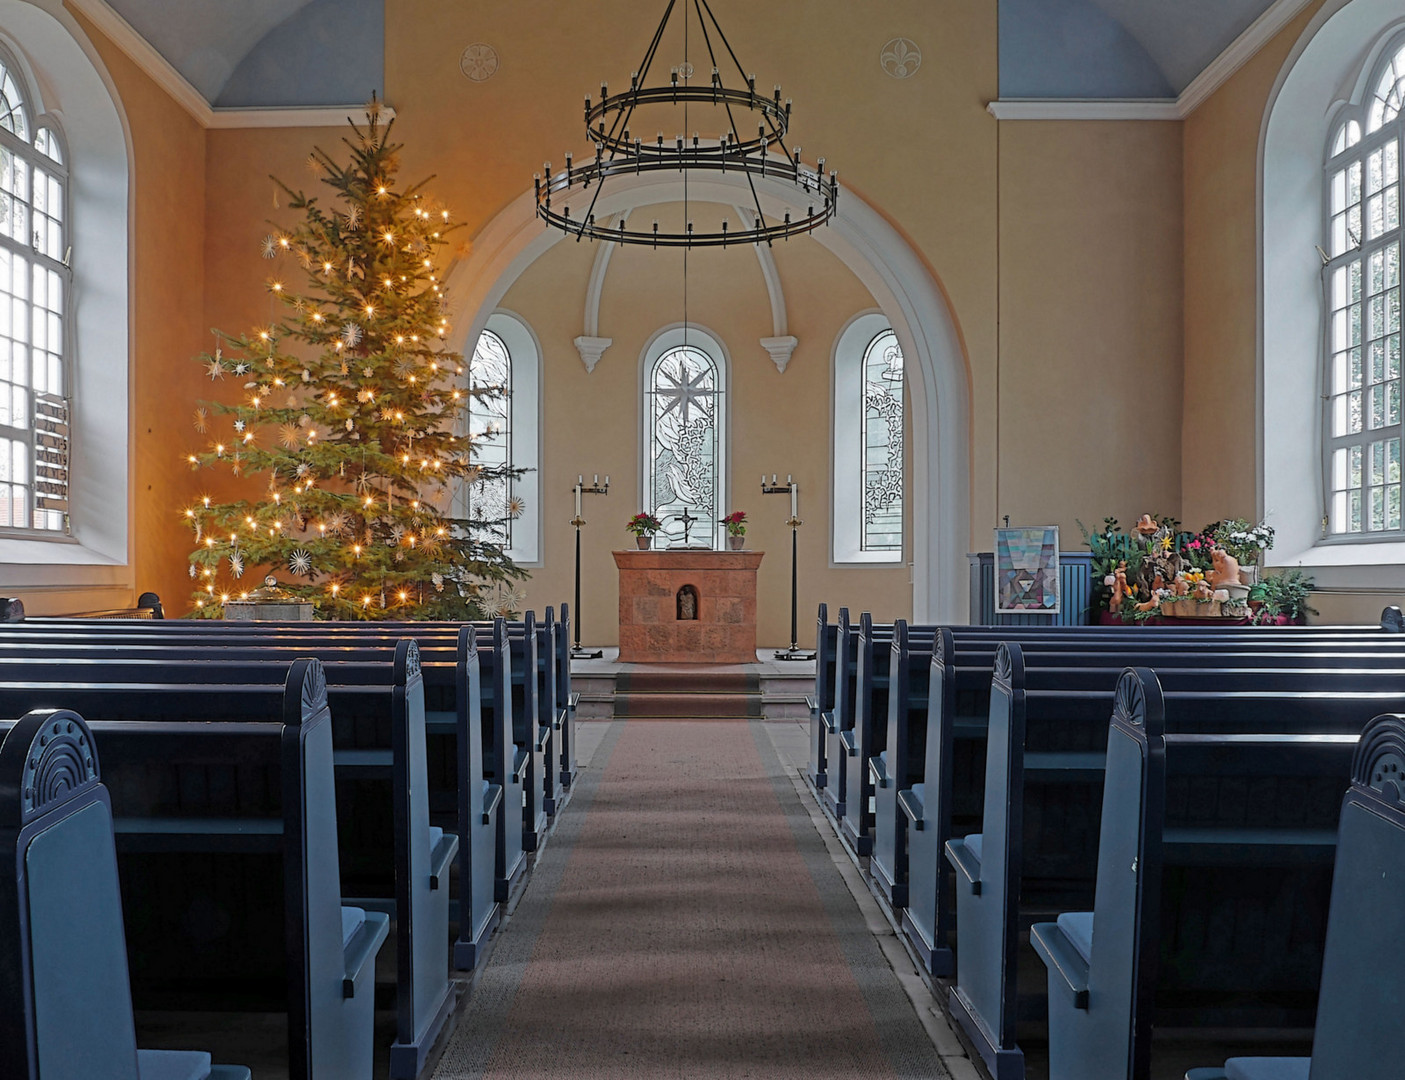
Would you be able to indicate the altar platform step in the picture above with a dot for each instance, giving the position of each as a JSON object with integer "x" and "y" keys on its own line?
{"x": 689, "y": 694}
{"x": 783, "y": 685}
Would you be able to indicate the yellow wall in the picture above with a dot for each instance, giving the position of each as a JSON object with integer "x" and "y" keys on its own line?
{"x": 1090, "y": 323}
{"x": 1100, "y": 275}
{"x": 167, "y": 296}
{"x": 1218, "y": 442}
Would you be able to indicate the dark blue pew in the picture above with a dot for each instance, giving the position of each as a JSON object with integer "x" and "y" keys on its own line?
{"x": 821, "y": 702}
{"x": 1223, "y": 703}
{"x": 394, "y": 860}
{"x": 928, "y": 919}
{"x": 460, "y": 710}
{"x": 1108, "y": 969}
{"x": 1358, "y": 1015}
{"x": 898, "y": 766}
{"x": 548, "y": 718}
{"x": 202, "y": 805}
{"x": 566, "y": 699}
{"x": 863, "y": 739}
{"x": 988, "y": 883}
{"x": 65, "y": 1003}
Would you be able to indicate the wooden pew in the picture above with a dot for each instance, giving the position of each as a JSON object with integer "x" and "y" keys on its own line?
{"x": 821, "y": 702}
{"x": 864, "y": 739}
{"x": 1105, "y": 968}
{"x": 391, "y": 855}
{"x": 993, "y": 872}
{"x": 953, "y": 771}
{"x": 459, "y": 687}
{"x": 556, "y": 728}
{"x": 1361, "y": 990}
{"x": 897, "y": 767}
{"x": 65, "y": 1003}
{"x": 198, "y": 805}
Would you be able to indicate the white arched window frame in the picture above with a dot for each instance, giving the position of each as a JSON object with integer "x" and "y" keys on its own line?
{"x": 684, "y": 433}
{"x": 507, "y": 431}
{"x": 35, "y": 288}
{"x": 72, "y": 96}
{"x": 868, "y": 471}
{"x": 1362, "y": 425}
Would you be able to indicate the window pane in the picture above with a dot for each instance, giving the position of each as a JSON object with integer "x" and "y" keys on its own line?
{"x": 882, "y": 445}
{"x": 490, "y": 372}
{"x": 684, "y": 410}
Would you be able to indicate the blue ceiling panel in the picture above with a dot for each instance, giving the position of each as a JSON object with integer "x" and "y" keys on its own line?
{"x": 1072, "y": 49}
{"x": 330, "y": 52}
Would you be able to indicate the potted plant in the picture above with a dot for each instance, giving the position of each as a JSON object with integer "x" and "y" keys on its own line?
{"x": 1282, "y": 598}
{"x": 736, "y": 529}
{"x": 643, "y": 526}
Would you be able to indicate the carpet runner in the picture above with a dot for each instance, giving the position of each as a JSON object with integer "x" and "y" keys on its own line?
{"x": 687, "y": 921}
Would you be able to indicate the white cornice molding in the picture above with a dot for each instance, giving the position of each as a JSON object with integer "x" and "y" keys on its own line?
{"x": 291, "y": 116}
{"x": 1218, "y": 72}
{"x": 121, "y": 33}
{"x": 1255, "y": 36}
{"x": 1082, "y": 109}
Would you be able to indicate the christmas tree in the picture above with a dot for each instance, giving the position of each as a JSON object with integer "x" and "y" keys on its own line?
{"x": 351, "y": 412}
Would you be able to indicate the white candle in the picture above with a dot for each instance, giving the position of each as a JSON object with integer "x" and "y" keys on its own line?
{"x": 794, "y": 489}
{"x": 578, "y": 496}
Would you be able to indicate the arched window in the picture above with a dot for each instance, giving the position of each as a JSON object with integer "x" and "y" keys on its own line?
{"x": 1363, "y": 423}
{"x": 869, "y": 424}
{"x": 505, "y": 431}
{"x": 685, "y": 435}
{"x": 34, "y": 288}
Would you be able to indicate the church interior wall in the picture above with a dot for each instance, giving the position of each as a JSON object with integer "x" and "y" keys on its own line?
{"x": 1101, "y": 276}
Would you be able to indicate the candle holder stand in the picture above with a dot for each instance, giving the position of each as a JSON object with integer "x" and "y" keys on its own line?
{"x": 581, "y": 488}
{"x": 791, "y": 488}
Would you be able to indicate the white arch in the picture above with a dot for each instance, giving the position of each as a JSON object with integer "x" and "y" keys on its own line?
{"x": 75, "y": 87}
{"x": 905, "y": 291}
{"x": 1321, "y": 72}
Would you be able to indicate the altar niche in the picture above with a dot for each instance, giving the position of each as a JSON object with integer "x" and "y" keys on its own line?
{"x": 687, "y": 606}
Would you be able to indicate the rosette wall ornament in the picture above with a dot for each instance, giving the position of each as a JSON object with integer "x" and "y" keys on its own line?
{"x": 614, "y": 126}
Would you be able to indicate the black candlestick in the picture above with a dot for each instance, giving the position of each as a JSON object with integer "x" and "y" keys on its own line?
{"x": 581, "y": 488}
{"x": 791, "y": 488}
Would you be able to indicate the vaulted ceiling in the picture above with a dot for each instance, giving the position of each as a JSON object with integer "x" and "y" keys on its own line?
{"x": 259, "y": 53}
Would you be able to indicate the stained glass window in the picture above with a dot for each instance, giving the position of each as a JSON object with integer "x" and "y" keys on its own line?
{"x": 882, "y": 445}
{"x": 683, "y": 458}
{"x": 1363, "y": 426}
{"x": 34, "y": 289}
{"x": 490, "y": 427}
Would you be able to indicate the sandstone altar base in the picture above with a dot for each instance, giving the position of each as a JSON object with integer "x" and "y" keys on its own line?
{"x": 654, "y": 587}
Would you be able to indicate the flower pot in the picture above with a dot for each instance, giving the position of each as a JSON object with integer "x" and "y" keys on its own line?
{"x": 644, "y": 542}
{"x": 1249, "y": 575}
{"x": 736, "y": 543}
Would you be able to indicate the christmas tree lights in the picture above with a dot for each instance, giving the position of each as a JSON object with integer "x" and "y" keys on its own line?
{"x": 352, "y": 409}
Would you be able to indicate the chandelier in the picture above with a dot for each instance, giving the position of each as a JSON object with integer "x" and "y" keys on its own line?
{"x": 620, "y": 151}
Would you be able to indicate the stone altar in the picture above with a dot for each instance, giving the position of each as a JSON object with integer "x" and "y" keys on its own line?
{"x": 688, "y": 606}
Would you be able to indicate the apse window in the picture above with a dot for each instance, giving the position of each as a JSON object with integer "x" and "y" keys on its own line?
{"x": 34, "y": 288}
{"x": 882, "y": 445}
{"x": 1363, "y": 424}
{"x": 684, "y": 437}
{"x": 503, "y": 426}
{"x": 870, "y": 430}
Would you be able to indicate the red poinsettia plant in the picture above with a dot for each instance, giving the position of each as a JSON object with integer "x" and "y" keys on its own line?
{"x": 736, "y": 523}
{"x": 643, "y": 525}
